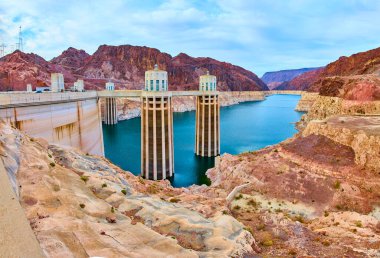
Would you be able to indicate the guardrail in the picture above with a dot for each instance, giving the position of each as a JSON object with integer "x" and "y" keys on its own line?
{"x": 29, "y": 99}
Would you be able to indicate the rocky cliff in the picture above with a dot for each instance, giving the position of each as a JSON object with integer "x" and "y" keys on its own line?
{"x": 361, "y": 133}
{"x": 324, "y": 107}
{"x": 274, "y": 79}
{"x": 125, "y": 66}
{"x": 355, "y": 77}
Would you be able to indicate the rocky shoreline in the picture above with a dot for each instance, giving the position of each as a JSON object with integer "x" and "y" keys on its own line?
{"x": 130, "y": 108}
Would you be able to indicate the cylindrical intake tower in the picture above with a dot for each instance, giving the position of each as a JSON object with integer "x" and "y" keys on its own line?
{"x": 207, "y": 131}
{"x": 110, "y": 107}
{"x": 157, "y": 153}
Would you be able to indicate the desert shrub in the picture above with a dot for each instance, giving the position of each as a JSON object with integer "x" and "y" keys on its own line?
{"x": 175, "y": 200}
{"x": 152, "y": 189}
{"x": 299, "y": 218}
{"x": 337, "y": 184}
{"x": 84, "y": 178}
{"x": 253, "y": 203}
{"x": 82, "y": 205}
{"x": 268, "y": 242}
{"x": 124, "y": 192}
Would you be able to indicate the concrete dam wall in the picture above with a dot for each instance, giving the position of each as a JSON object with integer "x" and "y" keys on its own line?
{"x": 74, "y": 122}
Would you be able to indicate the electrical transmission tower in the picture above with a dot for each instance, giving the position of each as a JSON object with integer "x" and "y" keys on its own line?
{"x": 19, "y": 45}
{"x": 2, "y": 49}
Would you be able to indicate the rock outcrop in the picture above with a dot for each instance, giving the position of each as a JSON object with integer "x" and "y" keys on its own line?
{"x": 306, "y": 102}
{"x": 361, "y": 133}
{"x": 307, "y": 196}
{"x": 125, "y": 65}
{"x": 324, "y": 107}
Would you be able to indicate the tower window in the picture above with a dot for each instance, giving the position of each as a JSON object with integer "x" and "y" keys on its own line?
{"x": 151, "y": 84}
{"x": 163, "y": 85}
{"x": 157, "y": 85}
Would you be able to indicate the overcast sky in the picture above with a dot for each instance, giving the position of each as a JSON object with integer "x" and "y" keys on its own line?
{"x": 259, "y": 35}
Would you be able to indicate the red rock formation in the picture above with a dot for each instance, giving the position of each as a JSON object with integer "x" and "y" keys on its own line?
{"x": 125, "y": 66}
{"x": 71, "y": 59}
{"x": 355, "y": 77}
{"x": 18, "y": 69}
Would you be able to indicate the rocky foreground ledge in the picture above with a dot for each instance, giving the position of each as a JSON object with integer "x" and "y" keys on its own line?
{"x": 80, "y": 205}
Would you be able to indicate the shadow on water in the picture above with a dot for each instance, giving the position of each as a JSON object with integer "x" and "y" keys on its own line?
{"x": 244, "y": 127}
{"x": 201, "y": 165}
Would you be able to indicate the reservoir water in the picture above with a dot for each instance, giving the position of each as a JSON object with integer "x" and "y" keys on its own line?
{"x": 244, "y": 127}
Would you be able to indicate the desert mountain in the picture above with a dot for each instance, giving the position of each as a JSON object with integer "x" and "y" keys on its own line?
{"x": 124, "y": 65}
{"x": 274, "y": 79}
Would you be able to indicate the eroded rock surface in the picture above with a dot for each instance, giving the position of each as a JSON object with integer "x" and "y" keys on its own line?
{"x": 81, "y": 206}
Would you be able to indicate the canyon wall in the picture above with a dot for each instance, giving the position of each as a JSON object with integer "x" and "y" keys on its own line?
{"x": 324, "y": 107}
{"x": 75, "y": 124}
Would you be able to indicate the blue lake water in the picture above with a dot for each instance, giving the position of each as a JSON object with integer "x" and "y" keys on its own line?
{"x": 244, "y": 127}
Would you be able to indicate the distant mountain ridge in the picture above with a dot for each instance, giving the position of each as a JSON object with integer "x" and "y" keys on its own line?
{"x": 276, "y": 78}
{"x": 125, "y": 66}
